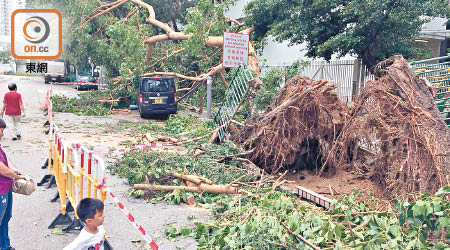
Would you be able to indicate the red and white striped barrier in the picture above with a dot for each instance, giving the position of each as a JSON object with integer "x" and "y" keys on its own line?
{"x": 80, "y": 83}
{"x": 62, "y": 83}
{"x": 130, "y": 217}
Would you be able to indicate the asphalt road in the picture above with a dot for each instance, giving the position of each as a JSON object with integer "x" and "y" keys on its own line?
{"x": 33, "y": 214}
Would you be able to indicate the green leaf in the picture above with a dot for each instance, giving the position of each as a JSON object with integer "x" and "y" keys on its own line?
{"x": 394, "y": 230}
{"x": 439, "y": 245}
{"x": 380, "y": 222}
{"x": 423, "y": 240}
{"x": 419, "y": 208}
{"x": 338, "y": 230}
{"x": 248, "y": 228}
{"x": 359, "y": 235}
{"x": 440, "y": 213}
{"x": 443, "y": 222}
{"x": 216, "y": 232}
{"x": 411, "y": 244}
{"x": 57, "y": 231}
{"x": 185, "y": 231}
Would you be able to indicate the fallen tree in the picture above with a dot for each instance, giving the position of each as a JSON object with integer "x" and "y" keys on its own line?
{"x": 300, "y": 129}
{"x": 414, "y": 141}
{"x": 167, "y": 33}
{"x": 133, "y": 38}
{"x": 196, "y": 184}
{"x": 393, "y": 133}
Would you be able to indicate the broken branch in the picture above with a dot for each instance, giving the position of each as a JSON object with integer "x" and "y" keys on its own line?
{"x": 214, "y": 189}
{"x": 299, "y": 237}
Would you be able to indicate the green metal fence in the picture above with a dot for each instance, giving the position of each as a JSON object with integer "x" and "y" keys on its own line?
{"x": 436, "y": 71}
{"x": 234, "y": 96}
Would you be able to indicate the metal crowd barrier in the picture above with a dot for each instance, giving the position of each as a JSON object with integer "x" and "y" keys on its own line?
{"x": 77, "y": 172}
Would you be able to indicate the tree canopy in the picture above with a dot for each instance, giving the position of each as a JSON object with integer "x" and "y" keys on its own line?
{"x": 133, "y": 38}
{"x": 5, "y": 56}
{"x": 370, "y": 29}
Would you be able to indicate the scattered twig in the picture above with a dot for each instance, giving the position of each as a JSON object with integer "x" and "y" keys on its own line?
{"x": 298, "y": 236}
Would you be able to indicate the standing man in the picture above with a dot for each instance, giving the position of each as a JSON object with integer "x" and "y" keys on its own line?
{"x": 12, "y": 104}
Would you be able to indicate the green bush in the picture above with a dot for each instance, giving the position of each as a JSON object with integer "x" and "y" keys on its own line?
{"x": 157, "y": 166}
{"x": 85, "y": 104}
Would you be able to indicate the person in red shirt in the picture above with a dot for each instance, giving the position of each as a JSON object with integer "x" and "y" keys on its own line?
{"x": 13, "y": 109}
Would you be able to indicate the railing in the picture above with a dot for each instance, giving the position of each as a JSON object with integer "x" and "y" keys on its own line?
{"x": 233, "y": 99}
{"x": 436, "y": 72}
{"x": 349, "y": 76}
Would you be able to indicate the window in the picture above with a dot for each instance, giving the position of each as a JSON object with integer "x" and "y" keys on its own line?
{"x": 157, "y": 85}
{"x": 87, "y": 78}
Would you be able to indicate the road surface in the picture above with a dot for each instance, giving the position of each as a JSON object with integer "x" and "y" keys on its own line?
{"x": 33, "y": 214}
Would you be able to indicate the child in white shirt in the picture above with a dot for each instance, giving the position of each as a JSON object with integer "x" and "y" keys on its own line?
{"x": 92, "y": 236}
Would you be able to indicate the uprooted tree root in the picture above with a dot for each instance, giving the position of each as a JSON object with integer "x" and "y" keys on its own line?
{"x": 414, "y": 141}
{"x": 394, "y": 131}
{"x": 299, "y": 130}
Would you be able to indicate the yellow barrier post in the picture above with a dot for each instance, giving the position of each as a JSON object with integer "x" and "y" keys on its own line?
{"x": 58, "y": 170}
{"x": 73, "y": 188}
{"x": 89, "y": 178}
{"x": 81, "y": 170}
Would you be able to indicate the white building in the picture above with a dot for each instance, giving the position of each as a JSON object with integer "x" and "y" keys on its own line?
{"x": 4, "y": 17}
{"x": 6, "y": 9}
{"x": 435, "y": 34}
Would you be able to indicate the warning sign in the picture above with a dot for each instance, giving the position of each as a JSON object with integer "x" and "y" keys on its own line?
{"x": 235, "y": 49}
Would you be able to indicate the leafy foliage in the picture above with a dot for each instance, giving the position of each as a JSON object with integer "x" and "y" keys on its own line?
{"x": 373, "y": 30}
{"x": 5, "y": 56}
{"x": 158, "y": 166}
{"x": 190, "y": 123}
{"x": 86, "y": 104}
{"x": 254, "y": 222}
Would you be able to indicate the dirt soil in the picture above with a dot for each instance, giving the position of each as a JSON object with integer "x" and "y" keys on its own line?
{"x": 341, "y": 183}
